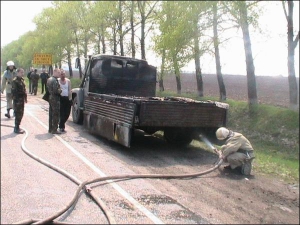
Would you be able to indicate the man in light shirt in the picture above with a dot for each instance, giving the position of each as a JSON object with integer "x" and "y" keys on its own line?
{"x": 65, "y": 100}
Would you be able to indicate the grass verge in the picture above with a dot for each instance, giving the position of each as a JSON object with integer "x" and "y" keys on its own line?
{"x": 273, "y": 132}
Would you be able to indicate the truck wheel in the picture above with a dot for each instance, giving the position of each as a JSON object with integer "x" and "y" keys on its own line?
{"x": 177, "y": 137}
{"x": 77, "y": 113}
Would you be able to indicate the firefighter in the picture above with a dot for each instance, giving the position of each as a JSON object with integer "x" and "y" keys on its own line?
{"x": 237, "y": 150}
{"x": 8, "y": 76}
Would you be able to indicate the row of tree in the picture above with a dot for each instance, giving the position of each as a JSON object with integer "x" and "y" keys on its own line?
{"x": 180, "y": 31}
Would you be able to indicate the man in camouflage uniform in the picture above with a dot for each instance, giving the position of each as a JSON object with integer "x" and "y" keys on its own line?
{"x": 7, "y": 79}
{"x": 237, "y": 150}
{"x": 35, "y": 81}
{"x": 54, "y": 101}
{"x": 19, "y": 98}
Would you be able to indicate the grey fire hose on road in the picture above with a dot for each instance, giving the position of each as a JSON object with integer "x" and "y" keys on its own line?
{"x": 99, "y": 179}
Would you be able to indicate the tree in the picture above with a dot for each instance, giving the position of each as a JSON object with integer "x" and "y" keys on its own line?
{"x": 175, "y": 37}
{"x": 143, "y": 6}
{"x": 197, "y": 15}
{"x": 240, "y": 10}
{"x": 222, "y": 89}
{"x": 292, "y": 44}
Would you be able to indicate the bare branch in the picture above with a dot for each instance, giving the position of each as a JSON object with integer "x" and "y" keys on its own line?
{"x": 284, "y": 10}
{"x": 295, "y": 42}
{"x": 150, "y": 11}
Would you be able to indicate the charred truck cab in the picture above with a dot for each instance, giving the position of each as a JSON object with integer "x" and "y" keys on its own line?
{"x": 117, "y": 96}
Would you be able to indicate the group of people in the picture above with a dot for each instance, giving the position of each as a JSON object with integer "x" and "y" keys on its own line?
{"x": 33, "y": 78}
{"x": 58, "y": 86}
{"x": 60, "y": 101}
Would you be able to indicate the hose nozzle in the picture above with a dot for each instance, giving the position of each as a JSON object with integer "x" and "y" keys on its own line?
{"x": 209, "y": 144}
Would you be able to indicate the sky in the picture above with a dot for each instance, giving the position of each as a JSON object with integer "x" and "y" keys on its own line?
{"x": 269, "y": 49}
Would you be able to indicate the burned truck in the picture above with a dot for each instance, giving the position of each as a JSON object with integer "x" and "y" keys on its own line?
{"x": 117, "y": 96}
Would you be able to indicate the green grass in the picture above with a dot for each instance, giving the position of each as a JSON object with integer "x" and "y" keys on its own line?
{"x": 272, "y": 130}
{"x": 75, "y": 82}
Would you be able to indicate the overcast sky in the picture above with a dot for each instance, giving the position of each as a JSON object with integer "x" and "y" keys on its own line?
{"x": 269, "y": 50}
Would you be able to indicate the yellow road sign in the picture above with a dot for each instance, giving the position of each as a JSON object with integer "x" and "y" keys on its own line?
{"x": 42, "y": 59}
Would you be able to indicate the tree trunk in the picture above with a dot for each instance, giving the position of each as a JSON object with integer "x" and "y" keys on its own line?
{"x": 78, "y": 55}
{"x": 293, "y": 88}
{"x": 132, "y": 29}
{"x": 103, "y": 41}
{"x": 143, "y": 37}
{"x": 70, "y": 64}
{"x": 121, "y": 29}
{"x": 115, "y": 41}
{"x": 98, "y": 45}
{"x": 162, "y": 71}
{"x": 143, "y": 21}
{"x": 197, "y": 65}
{"x": 177, "y": 75}
{"x": 50, "y": 71}
{"x": 251, "y": 79}
{"x": 222, "y": 88}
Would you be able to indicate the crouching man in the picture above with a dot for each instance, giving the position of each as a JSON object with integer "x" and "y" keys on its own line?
{"x": 237, "y": 150}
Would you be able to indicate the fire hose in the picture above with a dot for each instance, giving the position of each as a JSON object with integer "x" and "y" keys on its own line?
{"x": 83, "y": 185}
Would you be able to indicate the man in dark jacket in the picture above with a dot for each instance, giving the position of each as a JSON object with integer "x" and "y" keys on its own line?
{"x": 35, "y": 81}
{"x": 44, "y": 77}
{"x": 29, "y": 80}
{"x": 19, "y": 97}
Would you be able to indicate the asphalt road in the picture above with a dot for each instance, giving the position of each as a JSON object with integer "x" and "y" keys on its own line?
{"x": 30, "y": 190}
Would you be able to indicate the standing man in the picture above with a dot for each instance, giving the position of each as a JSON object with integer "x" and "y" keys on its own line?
{"x": 44, "y": 77}
{"x": 7, "y": 79}
{"x": 65, "y": 100}
{"x": 29, "y": 80}
{"x": 237, "y": 150}
{"x": 19, "y": 98}
{"x": 54, "y": 101}
{"x": 35, "y": 81}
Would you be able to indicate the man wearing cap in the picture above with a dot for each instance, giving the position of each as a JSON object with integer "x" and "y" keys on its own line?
{"x": 8, "y": 76}
{"x": 237, "y": 150}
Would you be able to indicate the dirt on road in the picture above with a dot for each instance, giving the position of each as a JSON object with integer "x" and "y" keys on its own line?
{"x": 220, "y": 197}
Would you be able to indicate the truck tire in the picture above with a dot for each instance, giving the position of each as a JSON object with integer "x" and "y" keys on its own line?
{"x": 178, "y": 137}
{"x": 77, "y": 114}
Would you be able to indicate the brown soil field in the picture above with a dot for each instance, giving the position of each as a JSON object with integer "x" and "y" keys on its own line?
{"x": 273, "y": 90}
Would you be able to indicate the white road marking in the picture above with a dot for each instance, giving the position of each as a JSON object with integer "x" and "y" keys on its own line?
{"x": 125, "y": 194}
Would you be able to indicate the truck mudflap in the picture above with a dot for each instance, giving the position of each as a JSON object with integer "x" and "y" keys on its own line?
{"x": 110, "y": 119}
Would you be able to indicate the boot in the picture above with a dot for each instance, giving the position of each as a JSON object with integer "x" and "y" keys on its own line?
{"x": 56, "y": 131}
{"x": 17, "y": 130}
{"x": 7, "y": 114}
{"x": 247, "y": 167}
